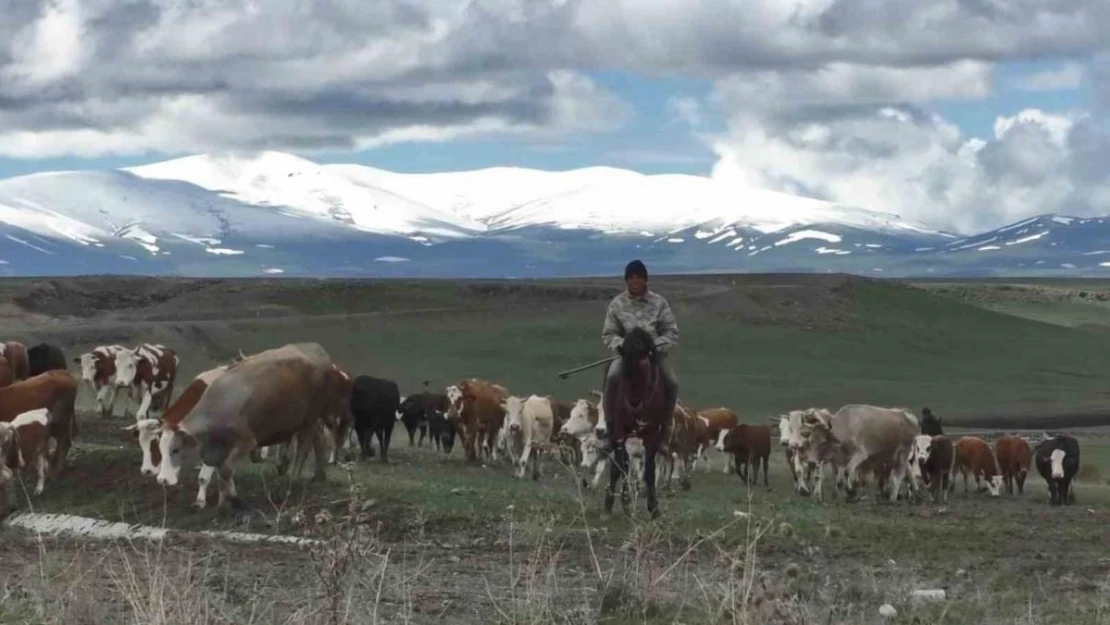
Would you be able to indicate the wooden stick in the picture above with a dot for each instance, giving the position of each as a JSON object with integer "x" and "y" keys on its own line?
{"x": 603, "y": 361}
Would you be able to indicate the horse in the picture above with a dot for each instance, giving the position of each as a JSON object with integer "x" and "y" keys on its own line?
{"x": 639, "y": 409}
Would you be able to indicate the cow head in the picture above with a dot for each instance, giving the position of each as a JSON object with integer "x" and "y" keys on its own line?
{"x": 148, "y": 432}
{"x": 179, "y": 450}
{"x": 591, "y": 452}
{"x": 602, "y": 429}
{"x": 1056, "y": 459}
{"x": 127, "y": 365}
{"x": 514, "y": 413}
{"x": 919, "y": 453}
{"x": 578, "y": 423}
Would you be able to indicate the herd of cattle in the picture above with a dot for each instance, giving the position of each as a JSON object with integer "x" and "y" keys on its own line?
{"x": 294, "y": 399}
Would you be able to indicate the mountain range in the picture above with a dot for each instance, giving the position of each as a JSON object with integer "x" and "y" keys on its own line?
{"x": 272, "y": 213}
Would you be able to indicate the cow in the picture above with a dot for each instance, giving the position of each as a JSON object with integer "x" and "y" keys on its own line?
{"x": 934, "y": 457}
{"x": 582, "y": 425}
{"x": 1014, "y": 455}
{"x": 930, "y": 423}
{"x": 374, "y": 404}
{"x": 686, "y": 436}
{"x": 16, "y": 355}
{"x": 56, "y": 391}
{"x": 266, "y": 399}
{"x": 441, "y": 430}
{"x": 148, "y": 431}
{"x": 1057, "y": 461}
{"x": 45, "y": 357}
{"x": 150, "y": 371}
{"x": 858, "y": 436}
{"x": 475, "y": 406}
{"x": 715, "y": 421}
{"x": 531, "y": 420}
{"x": 790, "y": 425}
{"x": 748, "y": 445}
{"x": 569, "y": 452}
{"x": 975, "y": 456}
{"x": 98, "y": 369}
{"x": 28, "y": 446}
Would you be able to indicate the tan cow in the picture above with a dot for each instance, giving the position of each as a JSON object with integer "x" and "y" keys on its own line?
{"x": 974, "y": 456}
{"x": 267, "y": 399}
{"x": 857, "y": 437}
{"x": 475, "y": 407}
{"x": 1014, "y": 456}
{"x": 530, "y": 420}
{"x": 54, "y": 390}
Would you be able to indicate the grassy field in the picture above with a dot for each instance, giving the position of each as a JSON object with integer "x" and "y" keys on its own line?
{"x": 442, "y": 541}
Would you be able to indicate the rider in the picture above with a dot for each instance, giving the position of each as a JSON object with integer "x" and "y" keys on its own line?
{"x": 637, "y": 306}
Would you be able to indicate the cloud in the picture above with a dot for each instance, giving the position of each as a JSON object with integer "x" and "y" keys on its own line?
{"x": 859, "y": 135}
{"x": 1066, "y": 76}
{"x": 823, "y": 97}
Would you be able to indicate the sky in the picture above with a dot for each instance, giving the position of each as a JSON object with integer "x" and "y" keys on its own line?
{"x": 963, "y": 114}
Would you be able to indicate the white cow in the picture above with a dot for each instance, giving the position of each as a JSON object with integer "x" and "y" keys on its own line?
{"x": 531, "y": 421}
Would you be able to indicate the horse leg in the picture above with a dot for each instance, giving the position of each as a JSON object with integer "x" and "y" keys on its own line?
{"x": 615, "y": 471}
{"x": 628, "y": 482}
{"x": 649, "y": 479}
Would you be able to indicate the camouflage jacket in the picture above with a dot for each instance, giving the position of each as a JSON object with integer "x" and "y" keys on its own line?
{"x": 650, "y": 312}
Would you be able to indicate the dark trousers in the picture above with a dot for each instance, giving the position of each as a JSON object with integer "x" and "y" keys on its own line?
{"x": 670, "y": 389}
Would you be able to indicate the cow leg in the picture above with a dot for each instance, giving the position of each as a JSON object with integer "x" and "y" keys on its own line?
{"x": 319, "y": 449}
{"x": 423, "y": 433}
{"x": 147, "y": 395}
{"x": 383, "y": 441}
{"x": 1021, "y": 482}
{"x": 204, "y": 479}
{"x": 40, "y": 466}
{"x": 106, "y": 400}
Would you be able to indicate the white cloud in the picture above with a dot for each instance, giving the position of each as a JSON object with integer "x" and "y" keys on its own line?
{"x": 822, "y": 97}
{"x": 1066, "y": 76}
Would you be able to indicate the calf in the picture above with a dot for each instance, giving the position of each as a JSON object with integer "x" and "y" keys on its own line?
{"x": 581, "y": 425}
{"x": 1014, "y": 456}
{"x": 935, "y": 457}
{"x": 56, "y": 391}
{"x": 45, "y": 357}
{"x": 28, "y": 438}
{"x": 374, "y": 404}
{"x": 98, "y": 369}
{"x": 974, "y": 455}
{"x": 1058, "y": 461}
{"x": 683, "y": 446}
{"x": 748, "y": 444}
{"x": 532, "y": 421}
{"x": 150, "y": 371}
{"x": 148, "y": 431}
{"x": 441, "y": 430}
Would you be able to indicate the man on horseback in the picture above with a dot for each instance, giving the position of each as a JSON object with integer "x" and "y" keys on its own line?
{"x": 638, "y": 307}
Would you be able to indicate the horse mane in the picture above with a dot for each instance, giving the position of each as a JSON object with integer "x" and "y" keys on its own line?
{"x": 637, "y": 346}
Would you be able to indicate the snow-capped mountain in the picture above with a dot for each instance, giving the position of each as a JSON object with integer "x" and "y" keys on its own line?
{"x": 274, "y": 213}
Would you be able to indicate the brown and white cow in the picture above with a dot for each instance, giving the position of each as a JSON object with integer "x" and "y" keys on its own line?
{"x": 748, "y": 444}
{"x": 27, "y": 438}
{"x": 716, "y": 422}
{"x": 56, "y": 391}
{"x": 934, "y": 457}
{"x": 16, "y": 355}
{"x": 975, "y": 456}
{"x": 265, "y": 400}
{"x": 582, "y": 426}
{"x": 1014, "y": 457}
{"x": 98, "y": 369}
{"x": 686, "y": 436}
{"x": 150, "y": 370}
{"x": 475, "y": 407}
{"x": 149, "y": 431}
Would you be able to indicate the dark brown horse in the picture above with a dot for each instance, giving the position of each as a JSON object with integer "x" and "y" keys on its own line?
{"x": 639, "y": 410}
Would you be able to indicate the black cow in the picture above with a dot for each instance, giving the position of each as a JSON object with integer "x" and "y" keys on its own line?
{"x": 374, "y": 405}
{"x": 442, "y": 431}
{"x": 930, "y": 423}
{"x": 45, "y": 357}
{"x": 1058, "y": 474}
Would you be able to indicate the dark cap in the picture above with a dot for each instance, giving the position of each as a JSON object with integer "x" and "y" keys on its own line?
{"x": 635, "y": 267}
